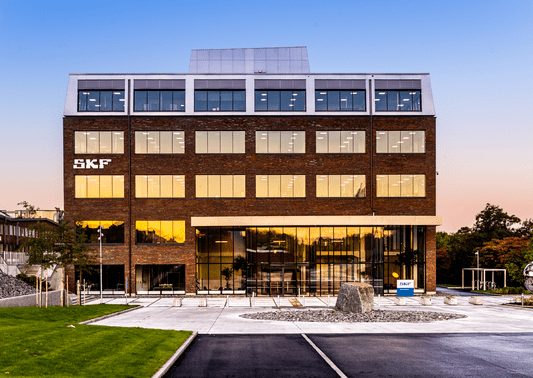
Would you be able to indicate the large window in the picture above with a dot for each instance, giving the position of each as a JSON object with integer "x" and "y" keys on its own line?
{"x": 405, "y": 142}
{"x": 159, "y": 101}
{"x": 279, "y": 186}
{"x": 113, "y": 231}
{"x": 155, "y": 186}
{"x": 101, "y": 186}
{"x": 341, "y": 186}
{"x": 400, "y": 185}
{"x": 99, "y": 142}
{"x": 306, "y": 260}
{"x": 285, "y": 101}
{"x": 220, "y": 186}
{"x": 340, "y": 142}
{"x": 220, "y": 142}
{"x": 335, "y": 101}
{"x": 159, "y": 142}
{"x": 160, "y": 232}
{"x": 219, "y": 101}
{"x": 280, "y": 142}
{"x": 100, "y": 101}
{"x": 398, "y": 101}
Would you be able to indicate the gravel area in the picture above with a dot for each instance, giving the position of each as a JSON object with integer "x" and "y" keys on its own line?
{"x": 11, "y": 287}
{"x": 332, "y": 316}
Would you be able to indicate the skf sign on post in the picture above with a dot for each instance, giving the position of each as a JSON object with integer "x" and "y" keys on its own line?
{"x": 91, "y": 163}
{"x": 405, "y": 288}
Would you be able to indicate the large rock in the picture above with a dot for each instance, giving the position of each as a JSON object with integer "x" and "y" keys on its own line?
{"x": 355, "y": 297}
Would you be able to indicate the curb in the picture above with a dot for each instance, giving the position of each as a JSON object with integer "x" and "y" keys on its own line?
{"x": 175, "y": 356}
{"x": 109, "y": 315}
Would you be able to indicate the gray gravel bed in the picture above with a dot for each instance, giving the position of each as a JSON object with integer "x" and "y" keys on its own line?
{"x": 332, "y": 316}
{"x": 11, "y": 287}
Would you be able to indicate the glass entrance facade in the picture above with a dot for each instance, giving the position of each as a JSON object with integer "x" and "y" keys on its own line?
{"x": 307, "y": 260}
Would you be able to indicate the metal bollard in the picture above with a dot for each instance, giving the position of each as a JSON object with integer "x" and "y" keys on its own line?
{"x": 522, "y": 299}
{"x": 227, "y": 301}
{"x": 328, "y": 300}
{"x": 278, "y": 301}
{"x": 253, "y": 299}
{"x": 379, "y": 300}
{"x": 303, "y": 301}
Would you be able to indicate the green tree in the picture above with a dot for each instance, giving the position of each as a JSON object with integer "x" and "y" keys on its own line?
{"x": 29, "y": 208}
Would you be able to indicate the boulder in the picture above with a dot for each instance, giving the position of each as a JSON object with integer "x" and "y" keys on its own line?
{"x": 355, "y": 297}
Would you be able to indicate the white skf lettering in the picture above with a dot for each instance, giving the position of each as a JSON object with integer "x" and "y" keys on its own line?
{"x": 104, "y": 162}
{"x": 91, "y": 163}
{"x": 79, "y": 164}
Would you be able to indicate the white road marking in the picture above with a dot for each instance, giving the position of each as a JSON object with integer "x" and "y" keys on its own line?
{"x": 326, "y": 358}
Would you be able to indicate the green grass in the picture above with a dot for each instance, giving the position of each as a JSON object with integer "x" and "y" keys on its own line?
{"x": 37, "y": 343}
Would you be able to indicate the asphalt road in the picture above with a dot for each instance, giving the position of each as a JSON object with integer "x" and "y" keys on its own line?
{"x": 397, "y": 355}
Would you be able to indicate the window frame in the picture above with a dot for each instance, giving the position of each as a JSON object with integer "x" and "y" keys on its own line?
{"x": 412, "y": 92}
{"x": 352, "y": 132}
{"x": 99, "y": 143}
{"x": 80, "y": 91}
{"x": 411, "y": 132}
{"x": 326, "y": 92}
{"x": 219, "y": 108}
{"x": 281, "y": 179}
{"x": 280, "y": 104}
{"x": 414, "y": 176}
{"x": 220, "y": 142}
{"x": 173, "y": 132}
{"x": 327, "y": 177}
{"x": 207, "y": 196}
{"x": 258, "y": 135}
{"x": 181, "y": 91}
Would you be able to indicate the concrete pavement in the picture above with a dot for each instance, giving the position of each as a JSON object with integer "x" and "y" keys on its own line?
{"x": 221, "y": 316}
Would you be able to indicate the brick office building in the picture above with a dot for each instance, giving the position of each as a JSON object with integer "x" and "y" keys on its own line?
{"x": 251, "y": 174}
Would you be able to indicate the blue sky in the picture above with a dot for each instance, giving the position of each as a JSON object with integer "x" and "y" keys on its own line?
{"x": 479, "y": 55}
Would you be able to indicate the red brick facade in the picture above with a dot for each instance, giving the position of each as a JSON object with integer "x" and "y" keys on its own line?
{"x": 250, "y": 164}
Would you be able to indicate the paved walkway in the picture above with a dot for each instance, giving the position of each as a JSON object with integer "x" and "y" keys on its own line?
{"x": 221, "y": 316}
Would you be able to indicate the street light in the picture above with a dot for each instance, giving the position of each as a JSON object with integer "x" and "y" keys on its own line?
{"x": 100, "y": 239}
{"x": 477, "y": 269}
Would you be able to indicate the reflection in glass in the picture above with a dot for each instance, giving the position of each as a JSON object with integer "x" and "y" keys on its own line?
{"x": 113, "y": 231}
{"x": 160, "y": 232}
{"x": 284, "y": 142}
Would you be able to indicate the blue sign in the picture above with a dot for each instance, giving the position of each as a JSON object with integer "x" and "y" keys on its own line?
{"x": 405, "y": 288}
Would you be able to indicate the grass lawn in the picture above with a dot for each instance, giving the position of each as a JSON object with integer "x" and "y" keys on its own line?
{"x": 37, "y": 342}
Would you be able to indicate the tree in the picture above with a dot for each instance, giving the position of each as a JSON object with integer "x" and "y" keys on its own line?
{"x": 227, "y": 273}
{"x": 493, "y": 223}
{"x": 29, "y": 208}
{"x": 512, "y": 253}
{"x": 58, "y": 245}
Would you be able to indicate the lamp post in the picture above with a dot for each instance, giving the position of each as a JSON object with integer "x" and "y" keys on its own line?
{"x": 100, "y": 239}
{"x": 477, "y": 269}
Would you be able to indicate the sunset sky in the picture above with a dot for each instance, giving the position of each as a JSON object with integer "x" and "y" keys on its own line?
{"x": 479, "y": 55}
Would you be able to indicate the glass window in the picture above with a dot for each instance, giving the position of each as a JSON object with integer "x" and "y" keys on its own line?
{"x": 341, "y": 186}
{"x": 340, "y": 142}
{"x": 159, "y": 142}
{"x": 159, "y": 101}
{"x": 113, "y": 231}
{"x": 220, "y": 186}
{"x": 280, "y": 142}
{"x": 220, "y": 142}
{"x": 159, "y": 186}
{"x": 98, "y": 142}
{"x": 219, "y": 100}
{"x": 397, "y": 101}
{"x": 346, "y": 101}
{"x": 278, "y": 186}
{"x": 400, "y": 185}
{"x": 405, "y": 142}
{"x": 284, "y": 100}
{"x": 160, "y": 232}
{"x": 100, "y": 101}
{"x": 103, "y": 186}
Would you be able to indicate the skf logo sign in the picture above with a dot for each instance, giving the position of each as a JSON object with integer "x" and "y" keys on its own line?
{"x": 91, "y": 163}
{"x": 403, "y": 283}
